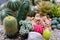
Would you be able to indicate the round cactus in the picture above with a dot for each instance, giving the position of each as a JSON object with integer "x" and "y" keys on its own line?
{"x": 54, "y": 22}
{"x": 46, "y": 34}
{"x": 58, "y": 26}
{"x": 13, "y": 4}
{"x": 10, "y": 25}
{"x": 4, "y": 13}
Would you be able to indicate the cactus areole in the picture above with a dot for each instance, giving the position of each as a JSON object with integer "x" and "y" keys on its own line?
{"x": 10, "y": 25}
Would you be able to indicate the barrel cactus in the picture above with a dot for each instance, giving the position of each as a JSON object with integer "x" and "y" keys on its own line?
{"x": 46, "y": 34}
{"x": 10, "y": 26}
{"x": 13, "y": 4}
{"x": 4, "y": 13}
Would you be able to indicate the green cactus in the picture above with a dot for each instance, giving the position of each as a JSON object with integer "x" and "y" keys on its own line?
{"x": 10, "y": 25}
{"x": 13, "y": 4}
{"x": 5, "y": 12}
{"x": 22, "y": 12}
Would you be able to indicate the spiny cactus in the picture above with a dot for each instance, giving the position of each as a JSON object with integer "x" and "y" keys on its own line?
{"x": 10, "y": 25}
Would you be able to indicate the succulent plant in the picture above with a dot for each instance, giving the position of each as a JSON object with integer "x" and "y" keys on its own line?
{"x": 44, "y": 7}
{"x": 10, "y": 26}
{"x": 26, "y": 27}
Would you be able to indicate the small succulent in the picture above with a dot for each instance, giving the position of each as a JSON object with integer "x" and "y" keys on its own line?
{"x": 54, "y": 11}
{"x": 44, "y": 7}
{"x": 25, "y": 27}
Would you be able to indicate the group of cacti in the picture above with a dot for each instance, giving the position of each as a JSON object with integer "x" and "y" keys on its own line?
{"x": 14, "y": 11}
{"x": 11, "y": 13}
{"x": 56, "y": 23}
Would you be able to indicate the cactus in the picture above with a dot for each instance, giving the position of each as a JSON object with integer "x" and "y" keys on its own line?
{"x": 10, "y": 25}
{"x": 26, "y": 27}
{"x": 58, "y": 26}
{"x": 54, "y": 22}
{"x": 22, "y": 12}
{"x": 13, "y": 4}
{"x": 5, "y": 12}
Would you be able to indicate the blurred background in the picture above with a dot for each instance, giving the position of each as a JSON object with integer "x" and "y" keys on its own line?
{"x": 2, "y": 1}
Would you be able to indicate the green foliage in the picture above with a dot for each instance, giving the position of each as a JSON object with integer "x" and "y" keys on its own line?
{"x": 26, "y": 27}
{"x": 10, "y": 24}
{"x": 13, "y": 4}
{"x": 58, "y": 12}
{"x": 54, "y": 11}
{"x": 44, "y": 7}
